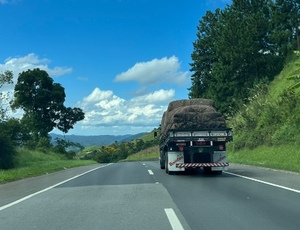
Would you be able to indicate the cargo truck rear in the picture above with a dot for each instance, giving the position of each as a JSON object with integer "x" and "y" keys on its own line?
{"x": 193, "y": 135}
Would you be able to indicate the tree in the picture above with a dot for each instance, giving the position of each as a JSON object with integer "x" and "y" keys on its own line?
{"x": 204, "y": 54}
{"x": 286, "y": 25}
{"x": 43, "y": 103}
{"x": 7, "y": 153}
{"x": 9, "y": 131}
{"x": 139, "y": 145}
{"x": 5, "y": 78}
{"x": 234, "y": 51}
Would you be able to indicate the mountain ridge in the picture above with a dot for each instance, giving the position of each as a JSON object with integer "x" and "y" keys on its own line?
{"x": 98, "y": 140}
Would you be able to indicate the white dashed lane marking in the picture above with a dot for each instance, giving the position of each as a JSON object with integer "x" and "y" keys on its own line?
{"x": 173, "y": 219}
{"x": 150, "y": 172}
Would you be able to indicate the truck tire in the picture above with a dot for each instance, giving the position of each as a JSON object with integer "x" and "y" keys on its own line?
{"x": 162, "y": 164}
{"x": 166, "y": 165}
{"x": 217, "y": 172}
{"x": 166, "y": 168}
{"x": 207, "y": 170}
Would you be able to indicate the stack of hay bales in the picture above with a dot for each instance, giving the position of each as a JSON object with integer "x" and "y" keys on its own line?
{"x": 192, "y": 114}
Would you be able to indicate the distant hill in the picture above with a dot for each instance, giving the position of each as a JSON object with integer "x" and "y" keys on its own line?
{"x": 133, "y": 137}
{"x": 98, "y": 140}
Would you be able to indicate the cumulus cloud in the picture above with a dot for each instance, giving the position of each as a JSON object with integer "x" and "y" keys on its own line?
{"x": 105, "y": 109}
{"x": 156, "y": 71}
{"x": 157, "y": 97}
{"x": 30, "y": 61}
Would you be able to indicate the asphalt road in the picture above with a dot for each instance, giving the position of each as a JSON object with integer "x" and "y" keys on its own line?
{"x": 139, "y": 195}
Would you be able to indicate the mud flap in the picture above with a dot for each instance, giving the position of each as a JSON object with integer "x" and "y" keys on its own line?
{"x": 173, "y": 159}
{"x": 219, "y": 157}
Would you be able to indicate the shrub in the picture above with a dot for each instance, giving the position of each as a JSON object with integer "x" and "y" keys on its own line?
{"x": 7, "y": 153}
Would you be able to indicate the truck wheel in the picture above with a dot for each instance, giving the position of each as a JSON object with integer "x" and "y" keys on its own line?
{"x": 217, "y": 172}
{"x": 162, "y": 164}
{"x": 207, "y": 170}
{"x": 166, "y": 165}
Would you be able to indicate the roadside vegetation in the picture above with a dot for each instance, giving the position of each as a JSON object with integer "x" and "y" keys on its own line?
{"x": 25, "y": 145}
{"x": 31, "y": 163}
{"x": 121, "y": 151}
{"x": 266, "y": 129}
{"x": 151, "y": 153}
{"x": 283, "y": 157}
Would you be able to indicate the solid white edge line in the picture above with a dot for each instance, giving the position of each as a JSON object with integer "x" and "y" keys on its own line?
{"x": 173, "y": 219}
{"x": 150, "y": 172}
{"x": 264, "y": 182}
{"x": 46, "y": 189}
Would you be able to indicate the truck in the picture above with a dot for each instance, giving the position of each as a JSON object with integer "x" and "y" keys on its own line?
{"x": 193, "y": 135}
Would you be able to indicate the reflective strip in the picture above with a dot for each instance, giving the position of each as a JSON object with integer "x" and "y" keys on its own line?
{"x": 193, "y": 165}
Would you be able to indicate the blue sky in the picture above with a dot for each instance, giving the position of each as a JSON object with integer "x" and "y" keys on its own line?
{"x": 121, "y": 61}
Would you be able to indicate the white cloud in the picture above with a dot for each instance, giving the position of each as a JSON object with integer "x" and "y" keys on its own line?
{"x": 104, "y": 109}
{"x": 97, "y": 95}
{"x": 8, "y": 1}
{"x": 30, "y": 61}
{"x": 155, "y": 97}
{"x": 156, "y": 71}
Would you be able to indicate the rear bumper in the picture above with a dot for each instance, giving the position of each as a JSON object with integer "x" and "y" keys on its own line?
{"x": 199, "y": 165}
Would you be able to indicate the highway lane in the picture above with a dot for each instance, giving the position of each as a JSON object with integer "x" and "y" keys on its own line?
{"x": 139, "y": 195}
{"x": 228, "y": 201}
{"x": 118, "y": 196}
{"x": 15, "y": 190}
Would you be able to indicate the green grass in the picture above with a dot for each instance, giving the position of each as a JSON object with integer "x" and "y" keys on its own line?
{"x": 281, "y": 83}
{"x": 280, "y": 157}
{"x": 146, "y": 154}
{"x": 148, "y": 137}
{"x": 33, "y": 163}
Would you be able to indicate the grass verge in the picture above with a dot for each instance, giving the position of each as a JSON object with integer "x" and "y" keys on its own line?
{"x": 34, "y": 163}
{"x": 146, "y": 154}
{"x": 280, "y": 157}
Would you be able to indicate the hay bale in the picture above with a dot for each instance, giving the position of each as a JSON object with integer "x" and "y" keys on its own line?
{"x": 188, "y": 102}
{"x": 196, "y": 113}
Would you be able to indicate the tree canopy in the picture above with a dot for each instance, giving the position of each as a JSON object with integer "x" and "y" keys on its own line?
{"x": 43, "y": 103}
{"x": 238, "y": 47}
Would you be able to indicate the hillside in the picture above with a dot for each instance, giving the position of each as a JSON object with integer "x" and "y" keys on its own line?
{"x": 271, "y": 117}
{"x": 266, "y": 129}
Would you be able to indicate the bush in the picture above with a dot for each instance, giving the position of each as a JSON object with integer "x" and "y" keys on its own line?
{"x": 7, "y": 153}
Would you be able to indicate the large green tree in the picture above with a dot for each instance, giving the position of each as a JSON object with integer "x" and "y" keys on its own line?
{"x": 204, "y": 54}
{"x": 241, "y": 53}
{"x": 9, "y": 128}
{"x": 43, "y": 103}
{"x": 286, "y": 25}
